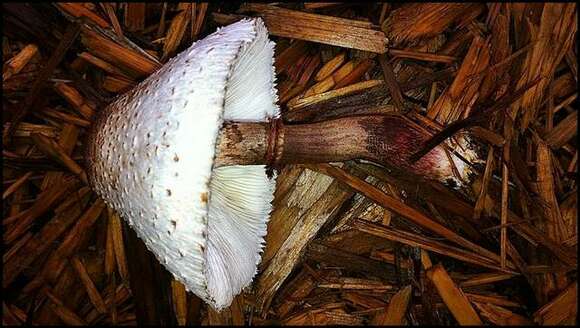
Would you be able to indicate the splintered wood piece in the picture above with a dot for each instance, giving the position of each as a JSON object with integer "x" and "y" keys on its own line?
{"x": 565, "y": 102}
{"x": 496, "y": 80}
{"x": 237, "y": 311}
{"x": 134, "y": 63}
{"x": 413, "y": 21}
{"x": 179, "y": 296}
{"x": 504, "y": 213}
{"x": 318, "y": 5}
{"x": 75, "y": 99}
{"x": 296, "y": 290}
{"x": 330, "y": 66}
{"x": 464, "y": 90}
{"x": 44, "y": 202}
{"x": 13, "y": 187}
{"x": 364, "y": 302}
{"x": 400, "y": 208}
{"x": 150, "y": 283}
{"x": 113, "y": 18}
{"x": 197, "y": 24}
{"x": 356, "y": 74}
{"x": 493, "y": 138}
{"x": 331, "y": 314}
{"x": 318, "y": 88}
{"x": 424, "y": 243}
{"x": 41, "y": 242}
{"x": 501, "y": 316}
{"x": 63, "y": 312}
{"x": 298, "y": 103}
{"x": 357, "y": 242}
{"x": 114, "y": 297}
{"x": 298, "y": 190}
{"x": 92, "y": 292}
{"x": 294, "y": 71}
{"x": 118, "y": 244}
{"x": 18, "y": 245}
{"x": 176, "y": 30}
{"x": 117, "y": 84}
{"x": 483, "y": 186}
{"x": 426, "y": 263}
{"x": 26, "y": 129}
{"x": 289, "y": 56}
{"x": 107, "y": 67}
{"x": 355, "y": 283}
{"x": 554, "y": 226}
{"x": 344, "y": 70}
{"x": 64, "y": 117}
{"x": 54, "y": 151}
{"x": 321, "y": 209}
{"x": 391, "y": 82}
{"x": 453, "y": 296}
{"x": 221, "y": 318}
{"x": 389, "y": 257}
{"x": 10, "y": 318}
{"x": 395, "y": 311}
{"x": 553, "y": 36}
{"x": 443, "y": 198}
{"x": 75, "y": 237}
{"x": 67, "y": 141}
{"x": 109, "y": 250}
{"x": 80, "y": 11}
{"x": 478, "y": 118}
{"x": 330, "y": 30}
{"x": 32, "y": 96}
{"x": 15, "y": 64}
{"x": 486, "y": 278}
{"x": 135, "y": 16}
{"x": 309, "y": 69}
{"x": 424, "y": 56}
{"x": 491, "y": 299}
{"x": 330, "y": 82}
{"x": 561, "y": 310}
{"x": 334, "y": 257}
{"x": 563, "y": 131}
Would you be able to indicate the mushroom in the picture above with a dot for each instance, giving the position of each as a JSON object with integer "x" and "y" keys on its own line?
{"x": 184, "y": 157}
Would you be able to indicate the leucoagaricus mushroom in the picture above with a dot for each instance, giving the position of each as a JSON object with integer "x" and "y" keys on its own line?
{"x": 183, "y": 157}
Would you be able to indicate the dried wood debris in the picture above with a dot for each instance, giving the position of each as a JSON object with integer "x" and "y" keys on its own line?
{"x": 348, "y": 243}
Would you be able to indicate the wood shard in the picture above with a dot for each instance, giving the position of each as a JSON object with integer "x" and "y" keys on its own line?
{"x": 413, "y": 21}
{"x": 395, "y": 312}
{"x": 317, "y": 98}
{"x": 561, "y": 310}
{"x": 564, "y": 131}
{"x": 176, "y": 30}
{"x": 15, "y": 64}
{"x": 92, "y": 291}
{"x": 78, "y": 10}
{"x": 330, "y": 66}
{"x": 135, "y": 16}
{"x": 132, "y": 61}
{"x": 179, "y": 301}
{"x": 453, "y": 296}
{"x": 319, "y": 28}
{"x": 552, "y": 39}
{"x": 501, "y": 316}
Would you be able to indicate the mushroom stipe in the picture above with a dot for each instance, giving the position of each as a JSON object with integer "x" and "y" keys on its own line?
{"x": 183, "y": 157}
{"x": 387, "y": 139}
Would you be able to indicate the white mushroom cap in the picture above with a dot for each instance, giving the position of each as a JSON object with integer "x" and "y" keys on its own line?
{"x": 150, "y": 157}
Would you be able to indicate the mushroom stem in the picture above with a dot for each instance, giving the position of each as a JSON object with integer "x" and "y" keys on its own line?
{"x": 384, "y": 139}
